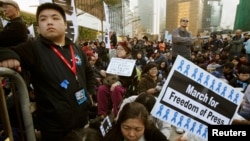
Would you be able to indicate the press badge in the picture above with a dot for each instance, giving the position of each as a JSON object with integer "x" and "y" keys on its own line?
{"x": 80, "y": 96}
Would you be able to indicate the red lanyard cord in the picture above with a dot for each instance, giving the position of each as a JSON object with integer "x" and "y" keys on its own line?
{"x": 73, "y": 67}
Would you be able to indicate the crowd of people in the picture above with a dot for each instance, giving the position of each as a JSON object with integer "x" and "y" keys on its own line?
{"x": 69, "y": 79}
{"x": 225, "y": 58}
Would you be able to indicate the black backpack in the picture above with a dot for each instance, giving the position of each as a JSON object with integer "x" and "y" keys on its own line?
{"x": 132, "y": 88}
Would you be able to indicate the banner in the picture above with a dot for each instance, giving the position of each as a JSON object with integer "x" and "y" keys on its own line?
{"x": 70, "y": 10}
{"x": 107, "y": 26}
{"x": 192, "y": 99}
{"x": 32, "y": 31}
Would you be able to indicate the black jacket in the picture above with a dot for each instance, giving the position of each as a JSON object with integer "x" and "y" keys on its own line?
{"x": 13, "y": 33}
{"x": 150, "y": 134}
{"x": 237, "y": 83}
{"x": 57, "y": 108}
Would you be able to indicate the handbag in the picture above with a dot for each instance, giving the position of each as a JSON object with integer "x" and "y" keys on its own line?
{"x": 110, "y": 79}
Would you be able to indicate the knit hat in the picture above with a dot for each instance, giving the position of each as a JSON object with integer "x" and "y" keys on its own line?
{"x": 148, "y": 67}
{"x": 10, "y": 2}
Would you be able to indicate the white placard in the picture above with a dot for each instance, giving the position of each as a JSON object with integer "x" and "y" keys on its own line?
{"x": 192, "y": 99}
{"x": 122, "y": 67}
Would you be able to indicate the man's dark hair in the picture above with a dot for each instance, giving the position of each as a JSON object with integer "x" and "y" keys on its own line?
{"x": 146, "y": 99}
{"x": 229, "y": 65}
{"x": 244, "y": 69}
{"x": 53, "y": 6}
{"x": 85, "y": 43}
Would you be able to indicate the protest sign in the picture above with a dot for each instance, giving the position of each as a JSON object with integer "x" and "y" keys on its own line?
{"x": 192, "y": 99}
{"x": 122, "y": 67}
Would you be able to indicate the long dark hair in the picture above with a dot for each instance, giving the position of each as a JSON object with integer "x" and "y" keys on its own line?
{"x": 133, "y": 110}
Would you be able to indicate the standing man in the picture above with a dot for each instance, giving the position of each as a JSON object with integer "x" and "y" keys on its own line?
{"x": 15, "y": 32}
{"x": 113, "y": 39}
{"x": 61, "y": 75}
{"x": 236, "y": 45}
{"x": 182, "y": 40}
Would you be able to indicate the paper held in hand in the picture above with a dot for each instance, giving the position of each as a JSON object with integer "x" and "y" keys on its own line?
{"x": 122, "y": 67}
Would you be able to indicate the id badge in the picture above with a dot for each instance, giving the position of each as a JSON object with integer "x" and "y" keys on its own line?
{"x": 80, "y": 96}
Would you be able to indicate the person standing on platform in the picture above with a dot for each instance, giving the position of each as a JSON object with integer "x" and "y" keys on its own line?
{"x": 182, "y": 40}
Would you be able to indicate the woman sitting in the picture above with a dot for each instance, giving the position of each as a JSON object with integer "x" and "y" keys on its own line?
{"x": 150, "y": 82}
{"x": 109, "y": 96}
{"x": 133, "y": 124}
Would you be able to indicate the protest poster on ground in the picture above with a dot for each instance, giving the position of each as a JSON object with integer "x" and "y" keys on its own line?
{"x": 192, "y": 99}
{"x": 122, "y": 67}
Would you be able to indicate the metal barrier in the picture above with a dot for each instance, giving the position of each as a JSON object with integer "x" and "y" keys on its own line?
{"x": 24, "y": 103}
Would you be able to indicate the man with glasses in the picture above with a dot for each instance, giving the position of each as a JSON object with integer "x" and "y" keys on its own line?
{"x": 182, "y": 40}
{"x": 15, "y": 32}
{"x": 235, "y": 46}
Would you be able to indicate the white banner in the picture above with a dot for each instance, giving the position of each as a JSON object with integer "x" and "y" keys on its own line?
{"x": 70, "y": 10}
{"x": 32, "y": 31}
{"x": 192, "y": 99}
{"x": 107, "y": 27}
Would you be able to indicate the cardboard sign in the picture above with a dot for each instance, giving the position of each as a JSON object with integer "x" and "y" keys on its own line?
{"x": 192, "y": 99}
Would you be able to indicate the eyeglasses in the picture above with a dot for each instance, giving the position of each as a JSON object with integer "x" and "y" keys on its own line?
{"x": 185, "y": 21}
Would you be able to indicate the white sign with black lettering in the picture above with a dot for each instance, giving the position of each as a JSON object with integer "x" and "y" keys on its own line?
{"x": 122, "y": 67}
{"x": 192, "y": 99}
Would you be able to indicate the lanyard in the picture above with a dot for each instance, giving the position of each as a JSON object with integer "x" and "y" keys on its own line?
{"x": 73, "y": 67}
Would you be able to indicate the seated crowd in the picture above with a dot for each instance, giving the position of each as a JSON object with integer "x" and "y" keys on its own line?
{"x": 153, "y": 63}
{"x": 130, "y": 113}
